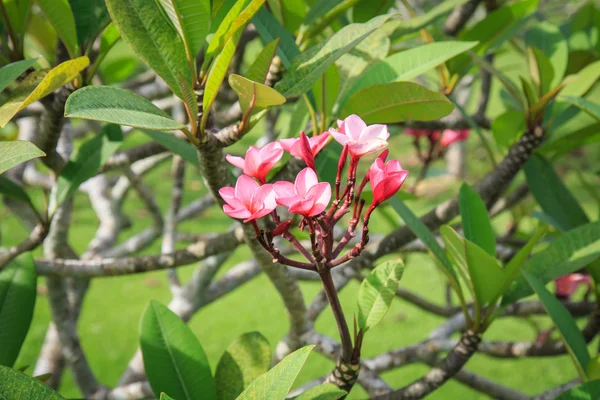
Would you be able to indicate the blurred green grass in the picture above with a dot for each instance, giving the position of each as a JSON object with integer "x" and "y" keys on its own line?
{"x": 108, "y": 327}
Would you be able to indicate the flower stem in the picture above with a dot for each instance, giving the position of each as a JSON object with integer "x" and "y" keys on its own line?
{"x": 338, "y": 313}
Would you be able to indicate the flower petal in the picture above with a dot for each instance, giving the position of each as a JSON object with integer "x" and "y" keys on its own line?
{"x": 303, "y": 207}
{"x": 287, "y": 144}
{"x": 318, "y": 142}
{"x": 236, "y": 161}
{"x": 353, "y": 126}
{"x": 306, "y": 179}
{"x": 339, "y": 137}
{"x": 376, "y": 131}
{"x": 322, "y": 194}
{"x": 284, "y": 189}
{"x": 370, "y": 146}
{"x": 236, "y": 213}
{"x": 245, "y": 188}
{"x": 252, "y": 161}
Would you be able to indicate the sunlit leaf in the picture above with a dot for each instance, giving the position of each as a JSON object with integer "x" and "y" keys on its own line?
{"x": 10, "y": 72}
{"x": 591, "y": 108}
{"x": 16, "y": 152}
{"x": 259, "y": 69}
{"x": 264, "y": 96}
{"x": 17, "y": 385}
{"x": 60, "y": 15}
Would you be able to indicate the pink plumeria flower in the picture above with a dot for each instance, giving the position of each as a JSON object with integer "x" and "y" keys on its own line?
{"x": 417, "y": 133}
{"x": 450, "y": 136}
{"x": 294, "y": 145}
{"x": 258, "y": 162}
{"x": 306, "y": 196}
{"x": 386, "y": 179}
{"x": 248, "y": 200}
{"x": 360, "y": 138}
{"x": 568, "y": 284}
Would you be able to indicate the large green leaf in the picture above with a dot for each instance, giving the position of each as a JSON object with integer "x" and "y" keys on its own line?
{"x": 89, "y": 159}
{"x": 476, "y": 221}
{"x": 259, "y": 95}
{"x": 410, "y": 63}
{"x": 552, "y": 195}
{"x": 91, "y": 16}
{"x": 218, "y": 70}
{"x": 486, "y": 274}
{"x": 540, "y": 69}
{"x": 118, "y": 106}
{"x": 581, "y": 83}
{"x": 10, "y": 72}
{"x": 585, "y": 391}
{"x": 422, "y": 232}
{"x": 259, "y": 69}
{"x": 275, "y": 384}
{"x": 176, "y": 145}
{"x": 174, "y": 360}
{"x": 17, "y": 12}
{"x": 311, "y": 64}
{"x": 508, "y": 126}
{"x": 568, "y": 253}
{"x": 354, "y": 64}
{"x": 397, "y": 102}
{"x": 17, "y": 300}
{"x": 270, "y": 29}
{"x": 237, "y": 17}
{"x": 376, "y": 293}
{"x": 245, "y": 359}
{"x": 17, "y": 152}
{"x": 585, "y": 105}
{"x": 60, "y": 15}
{"x": 455, "y": 248}
{"x": 150, "y": 36}
{"x": 38, "y": 85}
{"x": 564, "y": 322}
{"x": 191, "y": 18}
{"x": 15, "y": 385}
{"x": 494, "y": 29}
{"x": 325, "y": 391}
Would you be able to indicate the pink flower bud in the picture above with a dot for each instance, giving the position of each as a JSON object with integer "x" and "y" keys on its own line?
{"x": 258, "y": 163}
{"x": 568, "y": 284}
{"x": 385, "y": 179}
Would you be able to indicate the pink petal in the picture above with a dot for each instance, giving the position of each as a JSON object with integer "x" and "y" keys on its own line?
{"x": 374, "y": 132}
{"x": 236, "y": 213}
{"x": 340, "y": 124}
{"x": 370, "y": 146}
{"x": 271, "y": 153}
{"x": 288, "y": 201}
{"x": 287, "y": 144}
{"x": 353, "y": 126}
{"x": 236, "y": 161}
{"x": 339, "y": 137}
{"x": 306, "y": 179}
{"x": 227, "y": 193}
{"x": 318, "y": 142}
{"x": 253, "y": 160}
{"x": 322, "y": 194}
{"x": 264, "y": 198}
{"x": 259, "y": 214}
{"x": 303, "y": 207}
{"x": 245, "y": 188}
{"x": 393, "y": 166}
{"x": 284, "y": 189}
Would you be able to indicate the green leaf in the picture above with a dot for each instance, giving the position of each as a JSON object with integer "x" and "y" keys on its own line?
{"x": 275, "y": 384}
{"x": 191, "y": 18}
{"x": 17, "y": 152}
{"x": 17, "y": 300}
{"x": 60, "y": 15}
{"x": 33, "y": 88}
{"x": 422, "y": 232}
{"x": 588, "y": 106}
{"x": 376, "y": 293}
{"x": 17, "y": 12}
{"x": 410, "y": 63}
{"x": 585, "y": 391}
{"x": 237, "y": 17}
{"x": 150, "y": 36}
{"x": 486, "y": 274}
{"x": 550, "y": 41}
{"x": 552, "y": 195}
{"x": 174, "y": 360}
{"x": 11, "y": 189}
{"x": 164, "y": 396}
{"x": 91, "y": 16}
{"x": 245, "y": 359}
{"x": 264, "y": 96}
{"x": 175, "y": 145}
{"x": 218, "y": 70}
{"x": 292, "y": 13}
{"x": 89, "y": 159}
{"x": 325, "y": 391}
{"x": 396, "y": 102}
{"x": 311, "y": 64}
{"x": 259, "y": 69}
{"x": 270, "y": 29}
{"x": 568, "y": 253}
{"x": 354, "y": 64}
{"x": 564, "y": 322}
{"x": 10, "y": 72}
{"x": 507, "y": 127}
{"x": 475, "y": 219}
{"x": 562, "y": 145}
{"x": 318, "y": 9}
{"x": 494, "y": 29}
{"x": 118, "y": 106}
{"x": 583, "y": 81}
{"x": 540, "y": 69}
{"x": 16, "y": 385}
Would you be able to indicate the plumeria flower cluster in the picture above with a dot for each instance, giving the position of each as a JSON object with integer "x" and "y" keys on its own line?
{"x": 436, "y": 140}
{"x": 253, "y": 198}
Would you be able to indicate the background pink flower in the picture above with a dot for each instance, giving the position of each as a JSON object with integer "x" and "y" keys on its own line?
{"x": 306, "y": 196}
{"x": 360, "y": 138}
{"x": 248, "y": 200}
{"x": 450, "y": 136}
{"x": 258, "y": 162}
